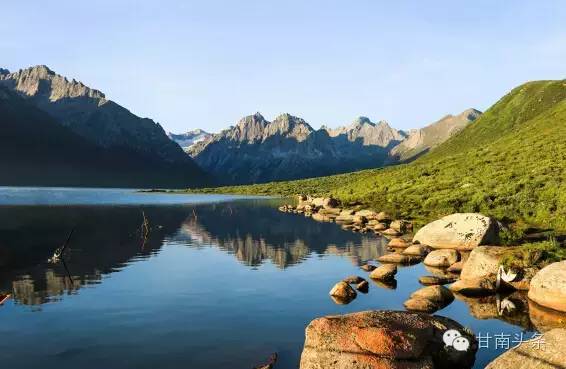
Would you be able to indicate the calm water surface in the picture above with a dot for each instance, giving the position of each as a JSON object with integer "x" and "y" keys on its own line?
{"x": 222, "y": 282}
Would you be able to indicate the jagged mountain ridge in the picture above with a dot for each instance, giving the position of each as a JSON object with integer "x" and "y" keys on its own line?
{"x": 36, "y": 98}
{"x": 256, "y": 150}
{"x": 88, "y": 113}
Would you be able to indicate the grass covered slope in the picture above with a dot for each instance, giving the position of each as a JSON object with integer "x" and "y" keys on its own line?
{"x": 510, "y": 163}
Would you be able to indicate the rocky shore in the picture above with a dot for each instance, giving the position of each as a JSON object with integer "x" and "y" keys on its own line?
{"x": 466, "y": 262}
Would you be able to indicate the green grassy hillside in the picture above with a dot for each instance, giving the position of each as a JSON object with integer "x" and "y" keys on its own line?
{"x": 510, "y": 164}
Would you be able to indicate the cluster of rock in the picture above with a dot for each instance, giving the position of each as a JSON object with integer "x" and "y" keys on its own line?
{"x": 462, "y": 267}
{"x": 457, "y": 250}
{"x": 354, "y": 218}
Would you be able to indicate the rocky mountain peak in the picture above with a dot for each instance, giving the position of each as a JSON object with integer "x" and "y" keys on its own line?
{"x": 369, "y": 133}
{"x": 288, "y": 125}
{"x": 3, "y": 71}
{"x": 40, "y": 81}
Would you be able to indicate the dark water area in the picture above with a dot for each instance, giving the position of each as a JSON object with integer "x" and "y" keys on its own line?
{"x": 220, "y": 282}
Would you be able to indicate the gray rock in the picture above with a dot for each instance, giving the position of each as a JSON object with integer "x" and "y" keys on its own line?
{"x": 459, "y": 231}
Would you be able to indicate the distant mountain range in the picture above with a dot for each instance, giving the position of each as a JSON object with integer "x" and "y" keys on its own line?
{"x": 188, "y": 139}
{"x": 256, "y": 150}
{"x": 56, "y": 131}
{"x": 61, "y": 132}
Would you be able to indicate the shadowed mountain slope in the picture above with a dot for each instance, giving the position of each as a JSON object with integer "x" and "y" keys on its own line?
{"x": 74, "y": 130}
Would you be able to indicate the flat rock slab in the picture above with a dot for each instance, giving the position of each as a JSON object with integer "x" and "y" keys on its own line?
{"x": 459, "y": 231}
{"x": 382, "y": 340}
{"x": 399, "y": 259}
{"x": 384, "y": 272}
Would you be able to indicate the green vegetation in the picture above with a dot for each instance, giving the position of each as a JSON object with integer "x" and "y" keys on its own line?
{"x": 510, "y": 164}
{"x": 537, "y": 254}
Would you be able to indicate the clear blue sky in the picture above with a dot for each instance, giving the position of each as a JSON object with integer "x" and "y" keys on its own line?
{"x": 204, "y": 64}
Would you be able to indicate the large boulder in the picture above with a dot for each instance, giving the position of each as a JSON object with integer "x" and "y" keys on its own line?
{"x": 548, "y": 286}
{"x": 544, "y": 352}
{"x": 441, "y": 258}
{"x": 383, "y": 340}
{"x": 459, "y": 231}
{"x": 484, "y": 260}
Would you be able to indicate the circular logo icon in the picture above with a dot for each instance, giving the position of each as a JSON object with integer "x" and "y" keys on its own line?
{"x": 461, "y": 344}
{"x": 449, "y": 336}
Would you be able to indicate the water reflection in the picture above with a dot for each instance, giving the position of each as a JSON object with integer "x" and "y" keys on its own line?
{"x": 106, "y": 239}
{"x": 256, "y": 233}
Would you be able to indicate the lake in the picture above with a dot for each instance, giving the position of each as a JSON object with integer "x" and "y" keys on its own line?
{"x": 220, "y": 282}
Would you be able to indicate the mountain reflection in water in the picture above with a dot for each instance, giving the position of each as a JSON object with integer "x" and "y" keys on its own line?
{"x": 107, "y": 238}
